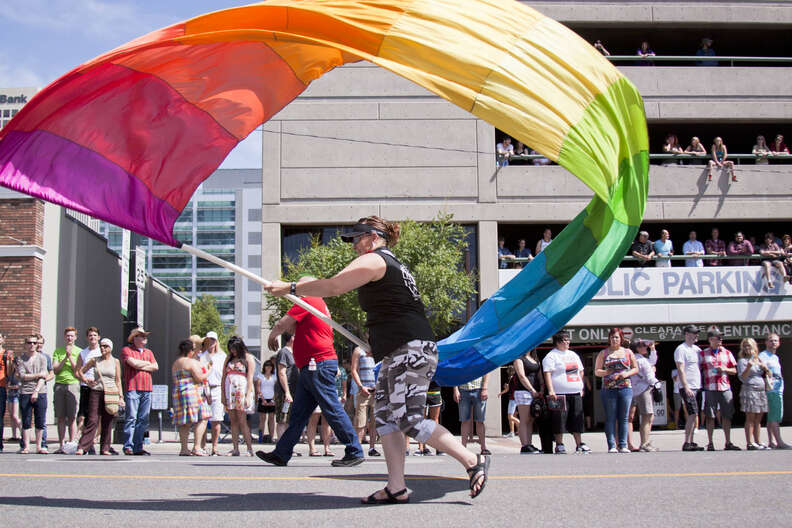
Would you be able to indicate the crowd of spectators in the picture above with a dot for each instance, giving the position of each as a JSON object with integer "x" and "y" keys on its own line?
{"x": 549, "y": 396}
{"x": 644, "y": 51}
{"x": 772, "y": 252}
{"x": 522, "y": 254}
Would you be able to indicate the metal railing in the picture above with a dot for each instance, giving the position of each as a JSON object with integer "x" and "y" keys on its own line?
{"x": 676, "y": 157}
{"x": 731, "y": 60}
{"x": 630, "y": 258}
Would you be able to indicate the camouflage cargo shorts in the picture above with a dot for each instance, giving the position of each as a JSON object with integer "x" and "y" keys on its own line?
{"x": 400, "y": 395}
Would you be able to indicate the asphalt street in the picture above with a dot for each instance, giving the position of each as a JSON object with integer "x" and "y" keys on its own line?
{"x": 666, "y": 488}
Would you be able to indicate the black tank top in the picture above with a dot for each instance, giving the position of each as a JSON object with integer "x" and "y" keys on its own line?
{"x": 394, "y": 311}
{"x": 531, "y": 369}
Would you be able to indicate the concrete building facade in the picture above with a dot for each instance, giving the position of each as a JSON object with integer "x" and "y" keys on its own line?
{"x": 363, "y": 141}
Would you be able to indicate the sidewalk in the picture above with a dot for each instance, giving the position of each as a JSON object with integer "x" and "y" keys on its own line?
{"x": 664, "y": 440}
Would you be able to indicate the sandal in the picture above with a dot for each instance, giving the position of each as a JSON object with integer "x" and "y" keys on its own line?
{"x": 58, "y": 452}
{"x": 23, "y": 452}
{"x": 315, "y": 453}
{"x": 199, "y": 452}
{"x": 486, "y": 452}
{"x": 43, "y": 451}
{"x": 329, "y": 453}
{"x": 478, "y": 475}
{"x": 389, "y": 499}
{"x": 186, "y": 454}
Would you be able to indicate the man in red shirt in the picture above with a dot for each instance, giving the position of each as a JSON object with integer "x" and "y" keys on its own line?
{"x": 316, "y": 358}
{"x": 138, "y": 362}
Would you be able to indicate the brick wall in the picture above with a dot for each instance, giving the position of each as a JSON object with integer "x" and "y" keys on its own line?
{"x": 20, "y": 277}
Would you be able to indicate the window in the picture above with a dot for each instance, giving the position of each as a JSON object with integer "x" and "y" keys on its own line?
{"x": 168, "y": 261}
{"x": 227, "y": 256}
{"x": 211, "y": 285}
{"x": 254, "y": 238}
{"x": 180, "y": 284}
{"x": 216, "y": 238}
{"x": 216, "y": 215}
{"x": 254, "y": 261}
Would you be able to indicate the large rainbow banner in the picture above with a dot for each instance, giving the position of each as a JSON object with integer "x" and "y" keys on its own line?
{"x": 128, "y": 136}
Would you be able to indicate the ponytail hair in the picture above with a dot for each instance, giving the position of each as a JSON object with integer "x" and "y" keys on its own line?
{"x": 392, "y": 230}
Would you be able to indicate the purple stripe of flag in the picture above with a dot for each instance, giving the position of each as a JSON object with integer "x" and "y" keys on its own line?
{"x": 49, "y": 167}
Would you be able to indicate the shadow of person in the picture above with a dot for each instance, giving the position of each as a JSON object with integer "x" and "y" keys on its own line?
{"x": 424, "y": 489}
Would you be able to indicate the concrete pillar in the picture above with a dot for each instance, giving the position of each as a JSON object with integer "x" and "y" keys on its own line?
{"x": 270, "y": 268}
{"x": 488, "y": 284}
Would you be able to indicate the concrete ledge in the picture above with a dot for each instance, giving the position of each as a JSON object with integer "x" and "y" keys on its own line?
{"x": 22, "y": 252}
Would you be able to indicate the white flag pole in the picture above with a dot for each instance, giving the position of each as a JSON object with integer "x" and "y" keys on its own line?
{"x": 264, "y": 282}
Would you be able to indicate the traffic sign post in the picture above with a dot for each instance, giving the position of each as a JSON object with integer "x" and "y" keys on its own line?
{"x": 159, "y": 402}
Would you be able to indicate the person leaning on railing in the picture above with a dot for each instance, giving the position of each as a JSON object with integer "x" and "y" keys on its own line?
{"x": 697, "y": 149}
{"x": 740, "y": 246}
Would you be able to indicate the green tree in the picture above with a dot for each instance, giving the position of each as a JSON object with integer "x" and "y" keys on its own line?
{"x": 205, "y": 317}
{"x": 433, "y": 251}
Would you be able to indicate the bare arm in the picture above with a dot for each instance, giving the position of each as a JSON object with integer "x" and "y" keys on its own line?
{"x": 484, "y": 389}
{"x": 287, "y": 323}
{"x": 353, "y": 369}
{"x": 548, "y": 376}
{"x": 599, "y": 365}
{"x": 284, "y": 382}
{"x": 633, "y": 366}
{"x": 251, "y": 367}
{"x": 362, "y": 270}
{"x": 519, "y": 369}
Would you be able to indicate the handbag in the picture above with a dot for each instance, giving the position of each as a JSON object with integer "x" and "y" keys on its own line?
{"x": 112, "y": 400}
{"x": 768, "y": 379}
{"x": 112, "y": 397}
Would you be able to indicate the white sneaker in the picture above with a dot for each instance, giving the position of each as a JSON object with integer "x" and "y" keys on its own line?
{"x": 508, "y": 435}
{"x": 624, "y": 450}
{"x": 613, "y": 450}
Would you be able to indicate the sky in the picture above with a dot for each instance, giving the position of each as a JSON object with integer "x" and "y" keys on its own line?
{"x": 44, "y": 39}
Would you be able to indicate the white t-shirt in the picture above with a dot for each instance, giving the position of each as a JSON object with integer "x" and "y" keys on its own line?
{"x": 688, "y": 356}
{"x": 214, "y": 364}
{"x": 267, "y": 385}
{"x": 566, "y": 371}
{"x": 86, "y": 354}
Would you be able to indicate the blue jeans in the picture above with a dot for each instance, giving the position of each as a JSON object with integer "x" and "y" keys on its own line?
{"x": 616, "y": 403}
{"x": 138, "y": 406}
{"x": 318, "y": 387}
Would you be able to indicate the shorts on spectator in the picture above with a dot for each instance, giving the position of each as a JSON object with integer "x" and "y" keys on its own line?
{"x": 715, "y": 400}
{"x": 364, "y": 408}
{"x": 85, "y": 395}
{"x": 218, "y": 412}
{"x": 523, "y": 397}
{"x": 752, "y": 401}
{"x": 570, "y": 420}
{"x": 266, "y": 407}
{"x": 775, "y": 406}
{"x": 691, "y": 403}
{"x": 471, "y": 406}
{"x": 66, "y": 398}
{"x": 434, "y": 399}
{"x": 643, "y": 402}
{"x": 677, "y": 400}
{"x": 512, "y": 407}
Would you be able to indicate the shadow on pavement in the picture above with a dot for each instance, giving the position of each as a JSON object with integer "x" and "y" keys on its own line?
{"x": 424, "y": 489}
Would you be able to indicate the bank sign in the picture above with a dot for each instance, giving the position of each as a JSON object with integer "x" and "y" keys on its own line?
{"x": 675, "y": 283}
{"x": 13, "y": 99}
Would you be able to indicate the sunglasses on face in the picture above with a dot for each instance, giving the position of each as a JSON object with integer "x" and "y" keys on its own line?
{"x": 31, "y": 342}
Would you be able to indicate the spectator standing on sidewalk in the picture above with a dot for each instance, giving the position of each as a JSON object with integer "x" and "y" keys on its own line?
{"x": 775, "y": 396}
{"x": 288, "y": 376}
{"x": 104, "y": 400}
{"x": 87, "y": 353}
{"x": 643, "y": 384}
{"x": 138, "y": 364}
{"x": 362, "y": 371}
{"x": 67, "y": 387}
{"x": 616, "y": 365}
{"x": 686, "y": 357}
{"x": 717, "y": 364}
{"x": 31, "y": 371}
{"x": 563, "y": 373}
{"x": 753, "y": 399}
{"x": 472, "y": 400}
{"x": 50, "y": 376}
{"x": 213, "y": 358}
{"x": 529, "y": 386}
